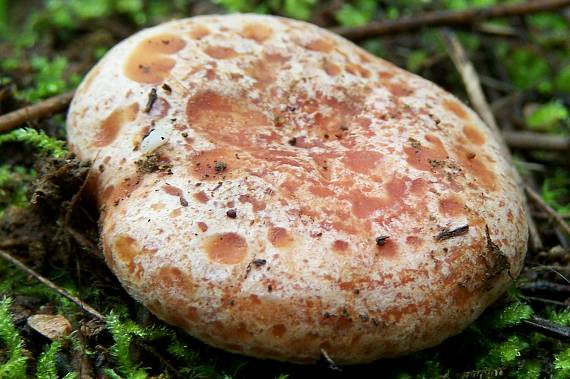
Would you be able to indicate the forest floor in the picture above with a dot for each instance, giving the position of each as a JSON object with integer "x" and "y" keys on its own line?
{"x": 522, "y": 61}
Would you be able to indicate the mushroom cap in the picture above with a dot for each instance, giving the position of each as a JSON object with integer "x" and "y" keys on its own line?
{"x": 277, "y": 191}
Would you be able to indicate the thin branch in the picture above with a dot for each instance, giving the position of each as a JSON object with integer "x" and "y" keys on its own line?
{"x": 87, "y": 308}
{"x": 39, "y": 110}
{"x": 536, "y": 141}
{"x": 544, "y": 286}
{"x": 477, "y": 97}
{"x": 547, "y": 301}
{"x": 554, "y": 216}
{"x": 548, "y": 328}
{"x": 448, "y": 18}
{"x": 51, "y": 285}
{"x": 470, "y": 79}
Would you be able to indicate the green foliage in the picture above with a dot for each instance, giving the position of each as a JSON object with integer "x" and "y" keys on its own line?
{"x": 502, "y": 354}
{"x": 527, "y": 68}
{"x": 562, "y": 364}
{"x": 511, "y": 315}
{"x": 15, "y": 366}
{"x": 548, "y": 22}
{"x": 233, "y": 6}
{"x": 465, "y": 4}
{"x": 528, "y": 370}
{"x": 562, "y": 80}
{"x": 560, "y": 317}
{"x": 357, "y": 14}
{"x": 69, "y": 13}
{"x": 548, "y": 117}
{"x": 14, "y": 186}
{"x": 3, "y": 16}
{"x": 50, "y": 78}
{"x": 37, "y": 139}
{"x": 47, "y": 367}
{"x": 416, "y": 60}
{"x": 556, "y": 191}
{"x": 123, "y": 333}
{"x": 299, "y": 9}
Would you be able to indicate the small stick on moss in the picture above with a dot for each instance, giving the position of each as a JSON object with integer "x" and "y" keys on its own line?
{"x": 548, "y": 328}
{"x": 87, "y": 308}
{"x": 465, "y": 17}
{"x": 554, "y": 216}
{"x": 546, "y": 301}
{"x": 51, "y": 285}
{"x": 544, "y": 286}
{"x": 42, "y": 109}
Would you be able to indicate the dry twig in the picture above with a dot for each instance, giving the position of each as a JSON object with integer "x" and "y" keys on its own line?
{"x": 448, "y": 18}
{"x": 44, "y": 108}
{"x": 51, "y": 285}
{"x": 87, "y": 308}
{"x": 555, "y": 216}
{"x": 536, "y": 141}
{"x": 548, "y": 328}
{"x": 477, "y": 97}
{"x": 470, "y": 80}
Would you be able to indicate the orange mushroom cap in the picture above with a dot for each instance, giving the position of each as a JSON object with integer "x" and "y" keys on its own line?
{"x": 276, "y": 191}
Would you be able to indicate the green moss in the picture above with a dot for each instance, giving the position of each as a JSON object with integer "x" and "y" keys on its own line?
{"x": 357, "y": 14}
{"x": 123, "y": 333}
{"x": 528, "y": 370}
{"x": 549, "y": 117}
{"x": 15, "y": 365}
{"x": 562, "y": 364}
{"x": 47, "y": 367}
{"x": 14, "y": 182}
{"x": 502, "y": 354}
{"x": 37, "y": 139}
{"x": 50, "y": 77}
{"x": 511, "y": 315}
{"x": 236, "y": 5}
{"x": 556, "y": 190}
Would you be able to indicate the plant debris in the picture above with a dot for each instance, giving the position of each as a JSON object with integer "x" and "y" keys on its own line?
{"x": 447, "y": 233}
{"x": 152, "y": 96}
{"x": 152, "y": 163}
{"x": 381, "y": 240}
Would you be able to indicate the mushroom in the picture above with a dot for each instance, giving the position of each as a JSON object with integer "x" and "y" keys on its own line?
{"x": 277, "y": 191}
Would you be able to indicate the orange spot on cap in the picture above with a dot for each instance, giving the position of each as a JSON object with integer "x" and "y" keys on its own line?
{"x": 340, "y": 246}
{"x": 257, "y": 32}
{"x": 201, "y": 197}
{"x": 112, "y": 125}
{"x": 203, "y": 226}
{"x": 474, "y": 135}
{"x": 125, "y": 250}
{"x": 220, "y": 52}
{"x": 320, "y": 44}
{"x": 226, "y": 248}
{"x": 278, "y": 330}
{"x": 451, "y": 206}
{"x": 361, "y": 161}
{"x": 456, "y": 107}
{"x": 199, "y": 31}
{"x": 389, "y": 249}
{"x": 149, "y": 62}
{"x": 331, "y": 68}
{"x": 279, "y": 237}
